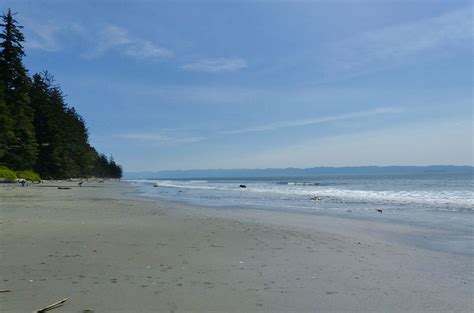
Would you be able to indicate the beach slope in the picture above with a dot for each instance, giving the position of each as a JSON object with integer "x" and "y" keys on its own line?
{"x": 110, "y": 252}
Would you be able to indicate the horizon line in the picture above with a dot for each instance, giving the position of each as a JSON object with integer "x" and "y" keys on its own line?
{"x": 300, "y": 168}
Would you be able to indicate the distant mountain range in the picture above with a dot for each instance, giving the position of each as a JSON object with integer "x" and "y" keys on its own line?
{"x": 288, "y": 172}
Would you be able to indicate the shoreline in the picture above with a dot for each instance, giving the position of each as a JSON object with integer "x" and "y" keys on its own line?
{"x": 424, "y": 236}
{"x": 108, "y": 251}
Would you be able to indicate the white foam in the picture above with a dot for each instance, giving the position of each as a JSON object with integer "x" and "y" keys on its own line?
{"x": 442, "y": 198}
{"x": 457, "y": 198}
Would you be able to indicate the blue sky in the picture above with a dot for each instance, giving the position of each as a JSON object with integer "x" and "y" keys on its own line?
{"x": 223, "y": 84}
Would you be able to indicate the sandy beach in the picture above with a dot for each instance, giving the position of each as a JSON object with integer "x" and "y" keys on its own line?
{"x": 109, "y": 251}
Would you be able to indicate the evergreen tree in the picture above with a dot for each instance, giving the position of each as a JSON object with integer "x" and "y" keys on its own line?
{"x": 21, "y": 150}
{"x": 75, "y": 144}
{"x": 115, "y": 170}
{"x": 47, "y": 121}
{"x": 37, "y": 128}
{"x": 6, "y": 126}
{"x": 102, "y": 166}
{"x": 64, "y": 150}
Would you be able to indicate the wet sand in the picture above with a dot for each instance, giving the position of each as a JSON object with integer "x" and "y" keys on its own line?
{"x": 110, "y": 252}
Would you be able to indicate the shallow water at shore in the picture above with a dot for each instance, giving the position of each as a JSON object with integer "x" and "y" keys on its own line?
{"x": 441, "y": 202}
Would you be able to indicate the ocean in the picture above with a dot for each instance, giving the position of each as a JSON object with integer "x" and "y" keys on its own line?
{"x": 439, "y": 201}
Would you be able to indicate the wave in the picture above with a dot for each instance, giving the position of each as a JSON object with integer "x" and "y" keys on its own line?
{"x": 458, "y": 200}
{"x": 292, "y": 183}
{"x": 442, "y": 198}
{"x": 183, "y": 185}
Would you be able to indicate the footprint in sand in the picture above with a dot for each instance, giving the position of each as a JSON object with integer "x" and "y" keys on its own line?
{"x": 173, "y": 307}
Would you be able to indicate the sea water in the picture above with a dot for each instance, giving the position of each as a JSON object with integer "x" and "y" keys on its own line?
{"x": 440, "y": 201}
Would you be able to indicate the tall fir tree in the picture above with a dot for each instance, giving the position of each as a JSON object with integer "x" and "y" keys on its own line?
{"x": 38, "y": 130}
{"x": 21, "y": 149}
{"x": 63, "y": 146}
{"x": 47, "y": 121}
{"x": 115, "y": 170}
{"x": 6, "y": 126}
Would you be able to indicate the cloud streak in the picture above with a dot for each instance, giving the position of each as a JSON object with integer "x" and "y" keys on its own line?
{"x": 113, "y": 37}
{"x": 216, "y": 65}
{"x": 161, "y": 138}
{"x": 397, "y": 44}
{"x": 409, "y": 144}
{"x": 314, "y": 121}
{"x": 41, "y": 36}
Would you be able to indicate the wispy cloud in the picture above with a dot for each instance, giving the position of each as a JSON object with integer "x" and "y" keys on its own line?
{"x": 145, "y": 49}
{"x": 41, "y": 36}
{"x": 216, "y": 65}
{"x": 44, "y": 36}
{"x": 113, "y": 37}
{"x": 408, "y": 144}
{"x": 161, "y": 138}
{"x": 313, "y": 121}
{"x": 398, "y": 44}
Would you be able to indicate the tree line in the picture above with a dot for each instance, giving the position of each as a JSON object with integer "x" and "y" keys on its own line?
{"x": 39, "y": 131}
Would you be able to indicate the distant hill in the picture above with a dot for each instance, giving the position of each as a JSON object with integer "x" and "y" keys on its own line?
{"x": 286, "y": 172}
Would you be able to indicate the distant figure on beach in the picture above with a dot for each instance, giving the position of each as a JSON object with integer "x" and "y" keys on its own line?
{"x": 80, "y": 183}
{"x": 22, "y": 182}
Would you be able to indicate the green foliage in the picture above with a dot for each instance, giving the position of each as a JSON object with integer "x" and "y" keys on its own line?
{"x": 6, "y": 125}
{"x": 21, "y": 151}
{"x": 107, "y": 167}
{"x": 28, "y": 175}
{"x": 7, "y": 174}
{"x": 38, "y": 130}
{"x": 115, "y": 170}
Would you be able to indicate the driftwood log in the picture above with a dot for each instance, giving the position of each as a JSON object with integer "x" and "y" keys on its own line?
{"x": 51, "y": 306}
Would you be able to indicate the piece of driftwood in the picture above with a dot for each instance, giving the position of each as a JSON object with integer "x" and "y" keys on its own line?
{"x": 51, "y": 306}
{"x": 5, "y": 290}
{"x": 63, "y": 188}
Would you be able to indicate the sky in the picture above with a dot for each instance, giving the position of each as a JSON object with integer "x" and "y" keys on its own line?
{"x": 167, "y": 85}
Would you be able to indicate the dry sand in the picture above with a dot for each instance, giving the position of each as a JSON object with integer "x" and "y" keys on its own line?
{"x": 110, "y": 252}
